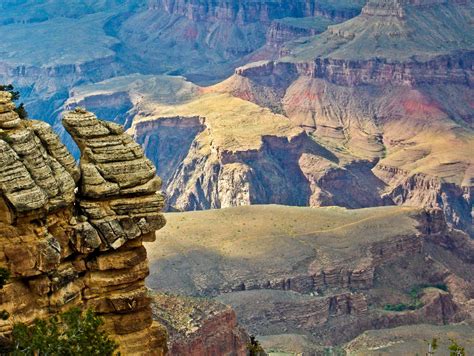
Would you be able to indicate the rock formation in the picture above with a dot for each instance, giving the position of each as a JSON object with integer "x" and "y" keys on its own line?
{"x": 381, "y": 86}
{"x": 353, "y": 125}
{"x": 199, "y": 327}
{"x": 73, "y": 235}
{"x": 325, "y": 273}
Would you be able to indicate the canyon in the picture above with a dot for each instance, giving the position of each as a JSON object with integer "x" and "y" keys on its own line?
{"x": 322, "y": 274}
{"x": 203, "y": 41}
{"x": 324, "y": 124}
{"x": 315, "y": 161}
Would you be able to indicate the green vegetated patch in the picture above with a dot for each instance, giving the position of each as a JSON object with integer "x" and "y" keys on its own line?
{"x": 415, "y": 295}
{"x": 70, "y": 333}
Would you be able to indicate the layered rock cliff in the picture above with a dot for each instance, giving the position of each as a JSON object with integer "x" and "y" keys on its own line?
{"x": 325, "y": 273}
{"x": 207, "y": 40}
{"x": 73, "y": 235}
{"x": 382, "y": 86}
{"x": 242, "y": 12}
{"x": 199, "y": 327}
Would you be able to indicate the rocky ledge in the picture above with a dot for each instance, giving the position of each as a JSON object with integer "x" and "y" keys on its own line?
{"x": 73, "y": 235}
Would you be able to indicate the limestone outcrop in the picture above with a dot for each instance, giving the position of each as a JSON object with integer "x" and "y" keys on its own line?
{"x": 73, "y": 235}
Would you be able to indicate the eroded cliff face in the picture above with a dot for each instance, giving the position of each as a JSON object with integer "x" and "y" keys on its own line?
{"x": 355, "y": 90}
{"x": 281, "y": 170}
{"x": 199, "y": 326}
{"x": 207, "y": 40}
{"x": 255, "y": 11}
{"x": 73, "y": 235}
{"x": 317, "y": 271}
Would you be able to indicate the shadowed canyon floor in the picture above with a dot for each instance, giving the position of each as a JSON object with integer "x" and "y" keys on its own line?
{"x": 326, "y": 274}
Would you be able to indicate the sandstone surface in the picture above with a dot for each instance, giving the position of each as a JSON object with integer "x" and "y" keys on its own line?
{"x": 73, "y": 235}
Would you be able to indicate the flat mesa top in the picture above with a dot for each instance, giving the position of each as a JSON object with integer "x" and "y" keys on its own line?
{"x": 264, "y": 230}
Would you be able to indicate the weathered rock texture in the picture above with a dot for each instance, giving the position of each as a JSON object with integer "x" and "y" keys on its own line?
{"x": 326, "y": 273}
{"x": 73, "y": 235}
{"x": 199, "y": 327}
{"x": 382, "y": 86}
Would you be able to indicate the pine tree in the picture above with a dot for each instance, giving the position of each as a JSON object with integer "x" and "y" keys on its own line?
{"x": 20, "y": 109}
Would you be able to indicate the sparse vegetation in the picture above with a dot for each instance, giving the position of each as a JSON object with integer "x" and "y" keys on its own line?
{"x": 72, "y": 333}
{"x": 455, "y": 349}
{"x": 334, "y": 351}
{"x": 20, "y": 109}
{"x": 401, "y": 307}
{"x": 432, "y": 346}
{"x": 4, "y": 276}
{"x": 254, "y": 348}
{"x": 415, "y": 294}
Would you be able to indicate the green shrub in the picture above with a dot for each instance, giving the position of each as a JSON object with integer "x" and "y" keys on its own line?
{"x": 20, "y": 110}
{"x": 455, "y": 349}
{"x": 72, "y": 333}
{"x": 254, "y": 348}
{"x": 4, "y": 276}
{"x": 415, "y": 294}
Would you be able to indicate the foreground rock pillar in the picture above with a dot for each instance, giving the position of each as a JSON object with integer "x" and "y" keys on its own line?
{"x": 118, "y": 208}
{"x": 72, "y": 236}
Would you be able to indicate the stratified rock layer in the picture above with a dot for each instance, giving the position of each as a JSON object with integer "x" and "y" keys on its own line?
{"x": 199, "y": 327}
{"x": 68, "y": 246}
{"x": 325, "y": 273}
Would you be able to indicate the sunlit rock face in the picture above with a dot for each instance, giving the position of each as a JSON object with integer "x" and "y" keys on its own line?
{"x": 73, "y": 235}
{"x": 393, "y": 85}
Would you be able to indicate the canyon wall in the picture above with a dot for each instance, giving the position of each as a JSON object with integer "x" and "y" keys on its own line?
{"x": 327, "y": 273}
{"x": 199, "y": 326}
{"x": 359, "y": 92}
{"x": 282, "y": 170}
{"x": 255, "y": 11}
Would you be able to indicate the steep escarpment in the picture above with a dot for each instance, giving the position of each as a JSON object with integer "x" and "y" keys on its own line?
{"x": 287, "y": 29}
{"x": 214, "y": 150}
{"x": 66, "y": 247}
{"x": 217, "y": 151}
{"x": 356, "y": 89}
{"x": 317, "y": 271}
{"x": 199, "y": 326}
{"x": 256, "y": 11}
{"x": 206, "y": 41}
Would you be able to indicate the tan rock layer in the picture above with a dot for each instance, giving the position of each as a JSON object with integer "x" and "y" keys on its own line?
{"x": 65, "y": 248}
